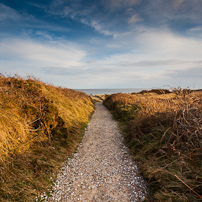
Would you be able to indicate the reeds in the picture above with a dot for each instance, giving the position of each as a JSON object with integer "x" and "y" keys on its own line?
{"x": 40, "y": 125}
{"x": 164, "y": 132}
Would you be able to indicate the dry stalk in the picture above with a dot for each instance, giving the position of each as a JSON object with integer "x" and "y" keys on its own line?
{"x": 188, "y": 186}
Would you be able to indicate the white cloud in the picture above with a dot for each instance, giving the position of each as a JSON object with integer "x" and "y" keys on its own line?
{"x": 153, "y": 57}
{"x": 116, "y": 4}
{"x": 44, "y": 35}
{"x": 192, "y": 72}
{"x": 160, "y": 58}
{"x": 159, "y": 39}
{"x": 26, "y": 56}
{"x": 90, "y": 61}
{"x": 134, "y": 18}
{"x": 177, "y": 3}
{"x": 101, "y": 29}
{"x": 51, "y": 53}
{"x": 58, "y": 62}
{"x": 195, "y": 32}
{"x": 157, "y": 44}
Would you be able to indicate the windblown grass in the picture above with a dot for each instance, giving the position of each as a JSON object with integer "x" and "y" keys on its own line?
{"x": 164, "y": 133}
{"x": 40, "y": 125}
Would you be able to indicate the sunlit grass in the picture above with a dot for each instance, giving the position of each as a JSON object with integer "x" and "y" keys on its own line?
{"x": 40, "y": 125}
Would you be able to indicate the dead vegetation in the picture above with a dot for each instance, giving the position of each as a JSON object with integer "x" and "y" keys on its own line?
{"x": 164, "y": 132}
{"x": 40, "y": 125}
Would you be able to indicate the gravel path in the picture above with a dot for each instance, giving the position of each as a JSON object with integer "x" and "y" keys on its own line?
{"x": 102, "y": 170}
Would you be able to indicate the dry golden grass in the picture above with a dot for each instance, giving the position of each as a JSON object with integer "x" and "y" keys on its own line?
{"x": 40, "y": 125}
{"x": 164, "y": 133}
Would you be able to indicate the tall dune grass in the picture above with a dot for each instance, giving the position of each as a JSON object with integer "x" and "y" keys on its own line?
{"x": 164, "y": 132}
{"x": 40, "y": 125}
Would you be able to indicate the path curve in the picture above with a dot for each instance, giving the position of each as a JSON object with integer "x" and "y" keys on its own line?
{"x": 102, "y": 170}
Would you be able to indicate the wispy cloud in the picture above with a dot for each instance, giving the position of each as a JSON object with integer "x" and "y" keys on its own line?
{"x": 176, "y": 12}
{"x": 134, "y": 18}
{"x": 99, "y": 27}
{"x": 15, "y": 23}
{"x": 7, "y": 13}
{"x": 193, "y": 72}
{"x": 92, "y": 14}
{"x": 195, "y": 32}
{"x": 117, "y": 4}
{"x": 177, "y": 3}
{"x": 32, "y": 55}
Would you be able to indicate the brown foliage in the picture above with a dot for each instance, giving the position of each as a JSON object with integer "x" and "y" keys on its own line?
{"x": 164, "y": 133}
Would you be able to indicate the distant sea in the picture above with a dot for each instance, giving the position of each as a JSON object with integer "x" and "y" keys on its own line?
{"x": 111, "y": 91}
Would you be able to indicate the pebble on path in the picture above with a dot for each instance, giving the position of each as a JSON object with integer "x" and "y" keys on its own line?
{"x": 102, "y": 170}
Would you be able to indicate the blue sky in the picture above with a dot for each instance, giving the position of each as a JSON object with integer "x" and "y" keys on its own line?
{"x": 103, "y": 43}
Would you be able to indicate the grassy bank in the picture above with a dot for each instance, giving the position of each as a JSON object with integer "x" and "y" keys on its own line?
{"x": 40, "y": 125}
{"x": 163, "y": 131}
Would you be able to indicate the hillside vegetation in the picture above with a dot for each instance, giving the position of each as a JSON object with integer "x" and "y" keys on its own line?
{"x": 40, "y": 125}
{"x": 164, "y": 132}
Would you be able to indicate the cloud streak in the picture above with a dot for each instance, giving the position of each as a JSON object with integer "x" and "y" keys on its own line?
{"x": 28, "y": 56}
{"x": 7, "y": 13}
{"x": 117, "y": 4}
